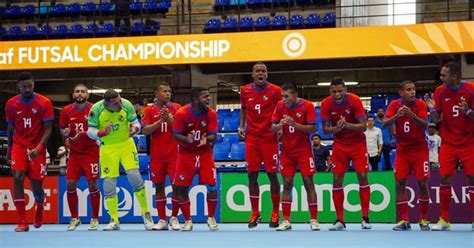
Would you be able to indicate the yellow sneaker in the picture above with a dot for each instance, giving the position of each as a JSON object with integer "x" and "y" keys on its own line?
{"x": 442, "y": 225}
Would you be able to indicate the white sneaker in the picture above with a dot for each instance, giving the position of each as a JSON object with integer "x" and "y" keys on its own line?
{"x": 284, "y": 225}
{"x": 338, "y": 226}
{"x": 188, "y": 226}
{"x": 212, "y": 224}
{"x": 365, "y": 224}
{"x": 174, "y": 223}
{"x": 73, "y": 224}
{"x": 112, "y": 226}
{"x": 148, "y": 221}
{"x": 160, "y": 226}
{"x": 94, "y": 225}
{"x": 314, "y": 225}
{"x": 442, "y": 225}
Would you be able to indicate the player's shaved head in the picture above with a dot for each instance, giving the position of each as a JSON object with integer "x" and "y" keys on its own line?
{"x": 110, "y": 94}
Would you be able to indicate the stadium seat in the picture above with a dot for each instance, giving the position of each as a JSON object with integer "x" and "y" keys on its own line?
{"x": 58, "y": 10}
{"x": 279, "y": 22}
{"x": 135, "y": 8}
{"x": 219, "y": 4}
{"x": 246, "y": 24}
{"x": 73, "y": 10}
{"x": 231, "y": 124}
{"x": 262, "y": 23}
{"x": 28, "y": 11}
{"x": 297, "y": 21}
{"x": 164, "y": 6}
{"x": 282, "y": 2}
{"x": 30, "y": 32}
{"x": 377, "y": 102}
{"x": 220, "y": 138}
{"x": 229, "y": 25}
{"x": 45, "y": 32}
{"x": 88, "y": 9}
{"x": 150, "y": 7}
{"x": 107, "y": 29}
{"x": 137, "y": 28}
{"x": 14, "y": 33}
{"x": 13, "y": 12}
{"x": 213, "y": 26}
{"x": 237, "y": 151}
{"x": 90, "y": 30}
{"x": 77, "y": 31}
{"x": 105, "y": 9}
{"x": 236, "y": 113}
{"x": 221, "y": 151}
{"x": 61, "y": 31}
{"x": 231, "y": 138}
{"x": 3, "y": 32}
{"x": 224, "y": 113}
{"x": 329, "y": 20}
{"x": 151, "y": 27}
{"x": 313, "y": 21}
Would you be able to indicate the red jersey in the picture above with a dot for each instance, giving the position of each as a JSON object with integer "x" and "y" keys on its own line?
{"x": 455, "y": 127}
{"x": 162, "y": 142}
{"x": 408, "y": 133}
{"x": 260, "y": 104}
{"x": 76, "y": 120}
{"x": 302, "y": 112}
{"x": 186, "y": 122}
{"x": 27, "y": 119}
{"x": 352, "y": 109}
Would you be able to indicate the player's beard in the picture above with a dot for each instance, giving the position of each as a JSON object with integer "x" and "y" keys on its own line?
{"x": 80, "y": 100}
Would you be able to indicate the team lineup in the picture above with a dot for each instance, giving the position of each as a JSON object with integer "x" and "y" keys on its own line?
{"x": 182, "y": 137}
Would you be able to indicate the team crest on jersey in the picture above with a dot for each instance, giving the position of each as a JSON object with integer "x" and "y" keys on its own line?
{"x": 92, "y": 114}
{"x": 106, "y": 170}
{"x": 348, "y": 111}
{"x": 298, "y": 115}
{"x": 203, "y": 123}
{"x": 181, "y": 177}
{"x": 265, "y": 97}
{"x": 34, "y": 110}
{"x": 121, "y": 118}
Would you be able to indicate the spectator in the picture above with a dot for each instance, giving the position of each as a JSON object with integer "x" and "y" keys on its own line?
{"x": 322, "y": 158}
{"x": 434, "y": 143}
{"x": 122, "y": 12}
{"x": 373, "y": 137}
{"x": 387, "y": 134}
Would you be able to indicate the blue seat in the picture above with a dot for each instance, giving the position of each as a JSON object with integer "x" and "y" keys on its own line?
{"x": 137, "y": 28}
{"x": 221, "y": 151}
{"x": 106, "y": 29}
{"x": 219, "y": 138}
{"x": 45, "y": 32}
{"x": 390, "y": 98}
{"x": 61, "y": 31}
{"x": 313, "y": 21}
{"x": 30, "y": 32}
{"x": 151, "y": 7}
{"x": 329, "y": 20}
{"x": 237, "y": 151}
{"x": 77, "y": 31}
{"x": 279, "y": 22}
{"x": 13, "y": 12}
{"x": 222, "y": 3}
{"x": 282, "y": 2}
{"x": 262, "y": 23}
{"x": 297, "y": 21}
{"x": 236, "y": 113}
{"x": 106, "y": 8}
{"x": 58, "y": 10}
{"x": 28, "y": 11}
{"x": 143, "y": 163}
{"x": 90, "y": 30}
{"x": 88, "y": 9}
{"x": 3, "y": 32}
{"x": 231, "y": 138}
{"x": 377, "y": 102}
{"x": 135, "y": 8}
{"x": 164, "y": 6}
{"x": 73, "y": 9}
{"x": 246, "y": 24}
{"x": 231, "y": 124}
{"x": 213, "y": 26}
{"x": 229, "y": 25}
{"x": 224, "y": 113}
{"x": 14, "y": 33}
{"x": 151, "y": 27}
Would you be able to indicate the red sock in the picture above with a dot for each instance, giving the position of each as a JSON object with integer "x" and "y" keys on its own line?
{"x": 423, "y": 202}
{"x": 174, "y": 207}
{"x": 286, "y": 209}
{"x": 161, "y": 207}
{"x": 254, "y": 201}
{"x": 276, "y": 203}
{"x": 364, "y": 194}
{"x": 402, "y": 207}
{"x": 95, "y": 203}
{"x": 186, "y": 209}
{"x": 211, "y": 205}
{"x": 338, "y": 198}
{"x": 445, "y": 200}
{"x": 72, "y": 202}
{"x": 471, "y": 195}
{"x": 20, "y": 208}
{"x": 313, "y": 210}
